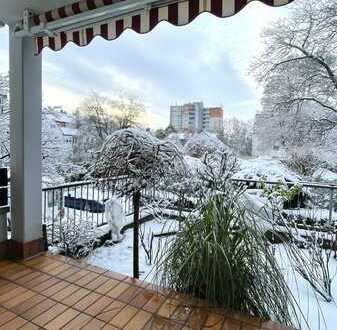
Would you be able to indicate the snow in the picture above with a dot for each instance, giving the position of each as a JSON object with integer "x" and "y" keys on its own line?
{"x": 323, "y": 174}
{"x": 119, "y": 256}
{"x": 202, "y": 142}
{"x": 319, "y": 314}
{"x": 265, "y": 168}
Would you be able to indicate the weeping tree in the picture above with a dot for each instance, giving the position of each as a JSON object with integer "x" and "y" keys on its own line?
{"x": 146, "y": 162}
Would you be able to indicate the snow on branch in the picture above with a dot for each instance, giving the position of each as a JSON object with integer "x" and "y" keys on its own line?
{"x": 144, "y": 159}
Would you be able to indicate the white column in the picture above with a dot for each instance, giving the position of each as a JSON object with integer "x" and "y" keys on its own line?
{"x": 25, "y": 140}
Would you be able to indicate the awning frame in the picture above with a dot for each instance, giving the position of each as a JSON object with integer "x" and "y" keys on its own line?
{"x": 26, "y": 28}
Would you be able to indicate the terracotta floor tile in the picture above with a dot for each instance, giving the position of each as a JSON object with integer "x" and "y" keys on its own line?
{"x": 12, "y": 293}
{"x": 74, "y": 278}
{"x": 142, "y": 298}
{"x": 55, "y": 288}
{"x": 167, "y": 308}
{"x": 247, "y": 319}
{"x": 87, "y": 301}
{"x": 50, "y": 267}
{"x": 75, "y": 297}
{"x": 66, "y": 292}
{"x": 8, "y": 287}
{"x": 94, "y": 324}
{"x": 12, "y": 270}
{"x": 136, "y": 282}
{"x": 116, "y": 276}
{"x": 46, "y": 284}
{"x": 109, "y": 327}
{"x": 37, "y": 280}
{"x": 27, "y": 304}
{"x": 138, "y": 321}
{"x": 78, "y": 322}
{"x": 118, "y": 290}
{"x": 107, "y": 286}
{"x": 154, "y": 303}
{"x": 17, "y": 275}
{"x": 60, "y": 269}
{"x": 5, "y": 317}
{"x": 124, "y": 316}
{"x": 230, "y": 324}
{"x": 99, "y": 305}
{"x": 19, "y": 299}
{"x": 14, "y": 324}
{"x": 30, "y": 326}
{"x": 197, "y": 318}
{"x": 100, "y": 280}
{"x": 111, "y": 311}
{"x": 3, "y": 282}
{"x": 246, "y": 326}
{"x": 87, "y": 279}
{"x": 96, "y": 269}
{"x": 49, "y": 315}
{"x": 130, "y": 294}
{"x": 38, "y": 261}
{"x": 214, "y": 321}
{"x": 61, "y": 320}
{"x": 27, "y": 278}
{"x": 70, "y": 271}
{"x": 181, "y": 314}
{"x": 38, "y": 309}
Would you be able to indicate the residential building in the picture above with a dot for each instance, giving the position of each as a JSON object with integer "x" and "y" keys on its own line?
{"x": 3, "y": 101}
{"x": 66, "y": 125}
{"x": 194, "y": 117}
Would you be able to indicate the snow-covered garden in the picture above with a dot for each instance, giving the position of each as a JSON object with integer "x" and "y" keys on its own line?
{"x": 175, "y": 187}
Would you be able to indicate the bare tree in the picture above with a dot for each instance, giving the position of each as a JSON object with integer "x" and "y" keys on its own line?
{"x": 298, "y": 67}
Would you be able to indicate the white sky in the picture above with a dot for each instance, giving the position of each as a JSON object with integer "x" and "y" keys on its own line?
{"x": 206, "y": 60}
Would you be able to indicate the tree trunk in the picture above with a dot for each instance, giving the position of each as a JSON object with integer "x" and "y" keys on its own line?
{"x": 136, "y": 206}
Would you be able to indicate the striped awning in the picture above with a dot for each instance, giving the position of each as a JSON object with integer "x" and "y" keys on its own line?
{"x": 178, "y": 12}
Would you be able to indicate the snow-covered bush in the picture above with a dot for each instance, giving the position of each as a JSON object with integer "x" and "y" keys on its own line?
{"x": 77, "y": 237}
{"x": 201, "y": 143}
{"x": 303, "y": 161}
{"x": 115, "y": 216}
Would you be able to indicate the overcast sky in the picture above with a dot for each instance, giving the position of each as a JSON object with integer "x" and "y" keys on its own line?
{"x": 206, "y": 60}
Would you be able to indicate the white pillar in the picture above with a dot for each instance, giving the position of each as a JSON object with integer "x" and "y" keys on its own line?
{"x": 25, "y": 145}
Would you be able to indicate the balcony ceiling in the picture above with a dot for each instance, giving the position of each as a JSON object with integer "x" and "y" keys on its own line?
{"x": 11, "y": 10}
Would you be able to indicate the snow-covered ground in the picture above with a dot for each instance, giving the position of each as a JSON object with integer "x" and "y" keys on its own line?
{"x": 320, "y": 315}
{"x": 119, "y": 258}
{"x": 265, "y": 168}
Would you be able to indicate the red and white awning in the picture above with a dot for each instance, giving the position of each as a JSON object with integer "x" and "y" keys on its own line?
{"x": 178, "y": 12}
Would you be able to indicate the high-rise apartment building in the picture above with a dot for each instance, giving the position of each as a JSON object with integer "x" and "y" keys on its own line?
{"x": 194, "y": 117}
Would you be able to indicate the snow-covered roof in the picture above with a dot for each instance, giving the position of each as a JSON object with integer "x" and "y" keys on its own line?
{"x": 60, "y": 116}
{"x": 67, "y": 131}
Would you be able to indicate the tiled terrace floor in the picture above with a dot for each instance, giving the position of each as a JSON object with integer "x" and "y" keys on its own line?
{"x": 49, "y": 293}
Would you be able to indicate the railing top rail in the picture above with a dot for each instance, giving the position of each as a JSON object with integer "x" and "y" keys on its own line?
{"x": 82, "y": 183}
{"x": 290, "y": 183}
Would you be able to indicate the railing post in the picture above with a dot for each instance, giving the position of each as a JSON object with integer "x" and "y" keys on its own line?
{"x": 331, "y": 206}
{"x": 136, "y": 207}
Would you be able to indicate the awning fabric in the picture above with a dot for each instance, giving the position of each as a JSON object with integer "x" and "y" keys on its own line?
{"x": 176, "y": 12}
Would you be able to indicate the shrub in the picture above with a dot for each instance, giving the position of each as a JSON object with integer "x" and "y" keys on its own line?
{"x": 223, "y": 258}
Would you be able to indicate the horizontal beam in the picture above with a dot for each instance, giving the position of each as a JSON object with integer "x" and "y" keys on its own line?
{"x": 89, "y": 17}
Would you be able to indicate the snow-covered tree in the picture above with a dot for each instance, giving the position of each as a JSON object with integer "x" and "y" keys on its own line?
{"x": 202, "y": 143}
{"x": 238, "y": 135}
{"x": 298, "y": 67}
{"x": 4, "y": 120}
{"x": 145, "y": 160}
{"x": 52, "y": 150}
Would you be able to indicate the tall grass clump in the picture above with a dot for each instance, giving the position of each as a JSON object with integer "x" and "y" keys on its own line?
{"x": 220, "y": 256}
